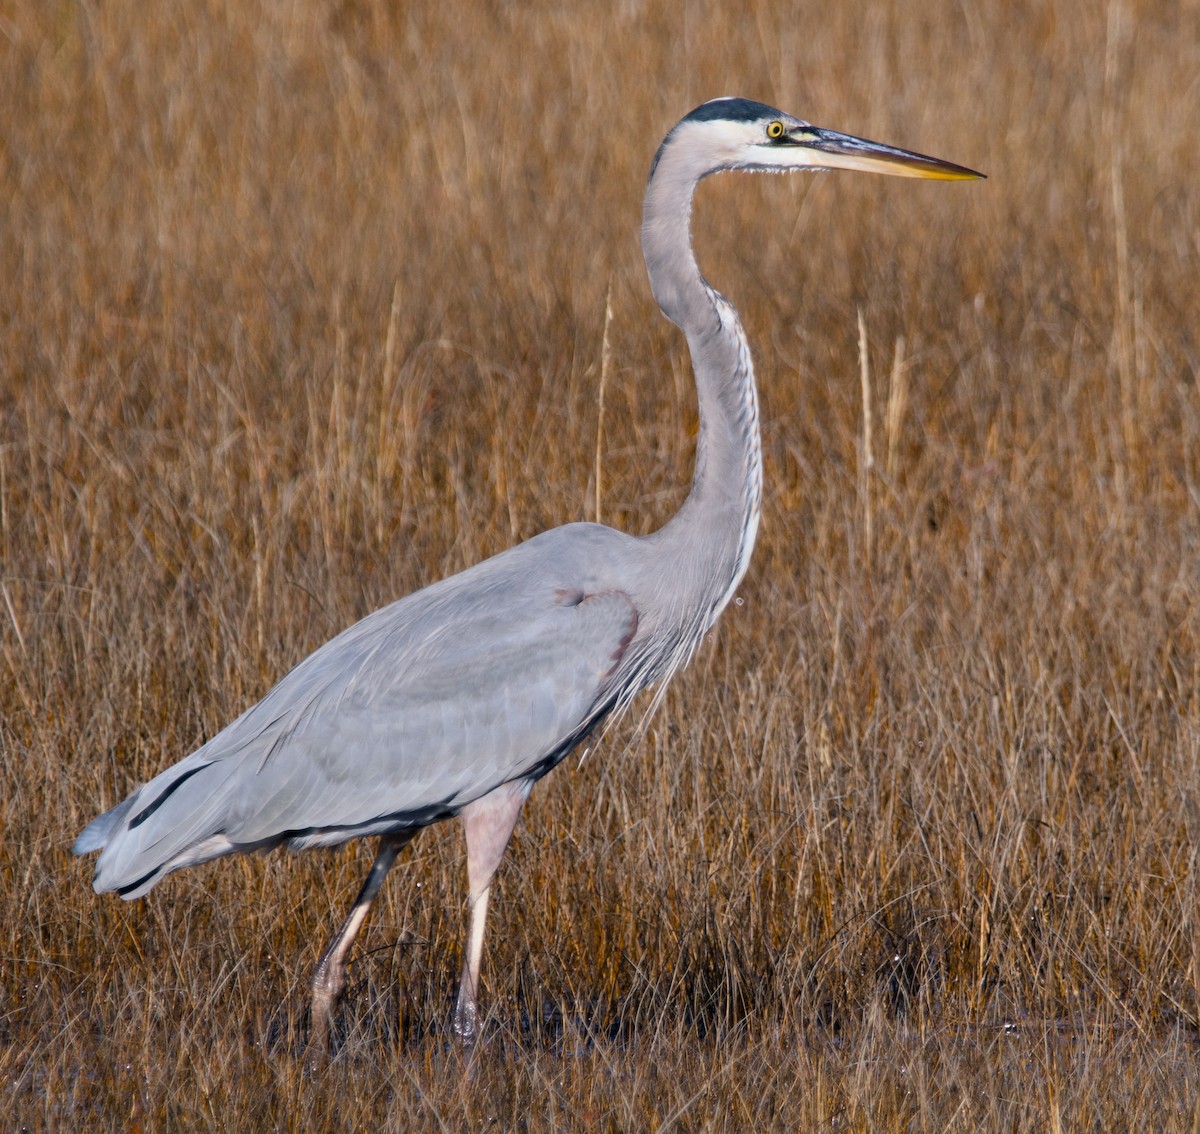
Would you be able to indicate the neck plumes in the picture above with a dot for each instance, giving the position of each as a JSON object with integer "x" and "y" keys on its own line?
{"x": 713, "y": 533}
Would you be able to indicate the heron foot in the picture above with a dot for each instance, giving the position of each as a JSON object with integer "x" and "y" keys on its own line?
{"x": 466, "y": 1020}
{"x": 329, "y": 981}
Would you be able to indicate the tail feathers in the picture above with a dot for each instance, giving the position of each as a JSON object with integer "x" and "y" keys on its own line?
{"x": 175, "y": 820}
{"x": 95, "y": 835}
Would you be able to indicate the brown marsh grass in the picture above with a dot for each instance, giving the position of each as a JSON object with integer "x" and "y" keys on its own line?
{"x": 302, "y": 306}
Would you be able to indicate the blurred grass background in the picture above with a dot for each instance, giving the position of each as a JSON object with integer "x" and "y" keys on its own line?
{"x": 302, "y": 307}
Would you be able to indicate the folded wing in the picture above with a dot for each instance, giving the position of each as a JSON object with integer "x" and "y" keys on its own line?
{"x": 399, "y": 721}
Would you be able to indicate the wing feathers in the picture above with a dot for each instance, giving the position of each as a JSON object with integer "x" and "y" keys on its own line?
{"x": 413, "y": 712}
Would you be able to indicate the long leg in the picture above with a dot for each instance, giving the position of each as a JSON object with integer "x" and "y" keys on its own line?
{"x": 329, "y": 978}
{"x": 489, "y": 824}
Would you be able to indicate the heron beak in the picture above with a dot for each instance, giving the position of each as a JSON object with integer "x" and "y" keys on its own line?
{"x": 843, "y": 151}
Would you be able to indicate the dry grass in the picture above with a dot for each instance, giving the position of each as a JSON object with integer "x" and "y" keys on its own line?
{"x": 301, "y": 307}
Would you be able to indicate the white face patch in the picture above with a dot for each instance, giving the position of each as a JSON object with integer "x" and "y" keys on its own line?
{"x": 710, "y": 145}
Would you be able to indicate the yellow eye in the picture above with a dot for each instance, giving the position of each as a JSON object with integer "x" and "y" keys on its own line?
{"x": 775, "y": 129}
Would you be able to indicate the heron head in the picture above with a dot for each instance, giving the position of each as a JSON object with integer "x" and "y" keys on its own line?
{"x": 738, "y": 133}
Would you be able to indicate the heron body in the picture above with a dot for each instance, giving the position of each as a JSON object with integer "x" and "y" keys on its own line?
{"x": 456, "y": 699}
{"x": 489, "y": 676}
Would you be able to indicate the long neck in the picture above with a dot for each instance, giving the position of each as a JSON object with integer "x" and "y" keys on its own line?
{"x": 710, "y": 539}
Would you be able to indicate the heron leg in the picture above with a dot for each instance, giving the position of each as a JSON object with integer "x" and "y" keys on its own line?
{"x": 489, "y": 824}
{"x": 329, "y": 978}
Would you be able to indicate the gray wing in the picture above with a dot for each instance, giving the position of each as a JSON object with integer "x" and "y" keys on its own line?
{"x": 402, "y": 719}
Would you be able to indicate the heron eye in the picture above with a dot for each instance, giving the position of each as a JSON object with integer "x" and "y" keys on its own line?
{"x": 775, "y": 130}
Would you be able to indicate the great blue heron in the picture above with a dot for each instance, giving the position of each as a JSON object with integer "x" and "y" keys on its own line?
{"x": 458, "y": 698}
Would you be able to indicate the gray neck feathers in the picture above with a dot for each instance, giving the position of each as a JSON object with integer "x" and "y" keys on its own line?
{"x": 708, "y": 543}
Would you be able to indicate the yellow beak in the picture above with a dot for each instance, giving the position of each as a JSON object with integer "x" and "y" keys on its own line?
{"x": 843, "y": 151}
